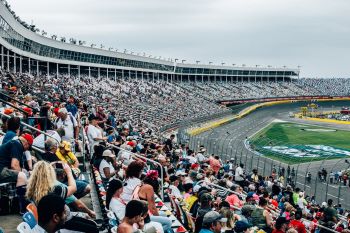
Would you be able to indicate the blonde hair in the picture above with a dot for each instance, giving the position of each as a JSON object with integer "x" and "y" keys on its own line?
{"x": 227, "y": 213}
{"x": 41, "y": 181}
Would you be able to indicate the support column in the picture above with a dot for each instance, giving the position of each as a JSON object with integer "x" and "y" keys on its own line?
{"x": 79, "y": 73}
{"x": 123, "y": 75}
{"x": 37, "y": 68}
{"x": 20, "y": 64}
{"x": 142, "y": 76}
{"x": 48, "y": 70}
{"x": 107, "y": 73}
{"x": 2, "y": 57}
{"x": 8, "y": 60}
{"x": 115, "y": 75}
{"x": 29, "y": 65}
{"x": 129, "y": 75}
{"x": 68, "y": 70}
{"x": 153, "y": 77}
{"x": 14, "y": 63}
{"x": 98, "y": 72}
{"x": 90, "y": 73}
{"x": 57, "y": 71}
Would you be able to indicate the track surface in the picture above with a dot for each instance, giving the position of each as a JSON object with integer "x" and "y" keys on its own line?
{"x": 227, "y": 141}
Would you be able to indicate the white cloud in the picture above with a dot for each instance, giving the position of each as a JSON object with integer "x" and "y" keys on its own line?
{"x": 312, "y": 33}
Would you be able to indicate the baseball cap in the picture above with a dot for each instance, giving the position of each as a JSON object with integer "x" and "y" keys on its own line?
{"x": 108, "y": 153}
{"x": 241, "y": 226}
{"x": 180, "y": 173}
{"x": 28, "y": 138}
{"x": 213, "y": 216}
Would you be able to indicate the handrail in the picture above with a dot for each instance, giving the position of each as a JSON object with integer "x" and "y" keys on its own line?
{"x": 31, "y": 127}
{"x": 149, "y": 160}
{"x": 13, "y": 106}
{"x": 226, "y": 189}
{"x": 10, "y": 97}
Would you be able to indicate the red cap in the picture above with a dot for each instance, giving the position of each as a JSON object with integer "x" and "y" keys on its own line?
{"x": 28, "y": 110}
{"x": 28, "y": 137}
{"x": 194, "y": 166}
{"x": 8, "y": 111}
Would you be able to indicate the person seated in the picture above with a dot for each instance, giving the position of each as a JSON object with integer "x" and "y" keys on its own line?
{"x": 11, "y": 161}
{"x": 43, "y": 182}
{"x": 134, "y": 217}
{"x": 65, "y": 154}
{"x": 107, "y": 166}
{"x": 113, "y": 199}
{"x": 50, "y": 151}
{"x": 52, "y": 214}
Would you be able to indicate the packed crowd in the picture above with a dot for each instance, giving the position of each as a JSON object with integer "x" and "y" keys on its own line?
{"x": 206, "y": 193}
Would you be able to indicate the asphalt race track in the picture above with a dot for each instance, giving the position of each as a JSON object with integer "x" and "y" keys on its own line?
{"x": 227, "y": 141}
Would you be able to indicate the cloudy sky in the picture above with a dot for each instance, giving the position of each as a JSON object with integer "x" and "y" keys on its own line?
{"x": 313, "y": 34}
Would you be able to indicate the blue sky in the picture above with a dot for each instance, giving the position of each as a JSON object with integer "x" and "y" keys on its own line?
{"x": 313, "y": 34}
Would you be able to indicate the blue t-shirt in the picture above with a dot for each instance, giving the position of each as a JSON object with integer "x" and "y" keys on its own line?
{"x": 8, "y": 151}
{"x": 8, "y": 136}
{"x": 72, "y": 109}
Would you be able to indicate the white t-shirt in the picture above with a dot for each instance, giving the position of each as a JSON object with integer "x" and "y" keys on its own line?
{"x": 239, "y": 174}
{"x": 105, "y": 164}
{"x": 68, "y": 127}
{"x": 175, "y": 191}
{"x": 39, "y": 141}
{"x": 200, "y": 157}
{"x": 118, "y": 208}
{"x": 191, "y": 159}
{"x": 128, "y": 190}
{"x": 93, "y": 132}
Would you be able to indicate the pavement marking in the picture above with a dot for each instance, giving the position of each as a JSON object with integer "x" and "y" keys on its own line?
{"x": 335, "y": 197}
{"x": 303, "y": 184}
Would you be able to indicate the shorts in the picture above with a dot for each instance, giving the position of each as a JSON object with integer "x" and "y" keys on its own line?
{"x": 8, "y": 175}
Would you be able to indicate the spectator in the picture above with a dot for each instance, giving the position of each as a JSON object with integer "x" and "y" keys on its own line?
{"x": 239, "y": 175}
{"x": 11, "y": 161}
{"x": 94, "y": 132}
{"x": 113, "y": 199}
{"x": 52, "y": 214}
{"x": 297, "y": 224}
{"x": 50, "y": 151}
{"x": 330, "y": 213}
{"x": 132, "y": 180}
{"x": 212, "y": 222}
{"x": 68, "y": 122}
{"x": 13, "y": 125}
{"x": 107, "y": 165}
{"x": 134, "y": 212}
{"x": 261, "y": 217}
{"x": 281, "y": 225}
{"x": 242, "y": 227}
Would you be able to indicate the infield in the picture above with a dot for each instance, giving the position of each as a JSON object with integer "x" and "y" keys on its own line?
{"x": 296, "y": 143}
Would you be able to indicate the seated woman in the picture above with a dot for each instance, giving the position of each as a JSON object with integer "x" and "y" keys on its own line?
{"x": 107, "y": 166}
{"x": 43, "y": 181}
{"x": 133, "y": 174}
{"x": 146, "y": 192}
{"x": 113, "y": 200}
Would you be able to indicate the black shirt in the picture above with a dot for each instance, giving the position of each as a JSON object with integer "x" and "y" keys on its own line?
{"x": 8, "y": 151}
{"x": 50, "y": 157}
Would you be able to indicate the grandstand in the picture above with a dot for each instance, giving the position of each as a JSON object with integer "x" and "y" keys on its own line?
{"x": 117, "y": 112}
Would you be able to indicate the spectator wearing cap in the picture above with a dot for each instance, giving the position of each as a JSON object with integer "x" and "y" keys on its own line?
{"x": 281, "y": 225}
{"x": 239, "y": 175}
{"x": 94, "y": 132}
{"x": 65, "y": 154}
{"x": 107, "y": 165}
{"x": 11, "y": 161}
{"x": 212, "y": 222}
{"x": 68, "y": 122}
{"x": 242, "y": 227}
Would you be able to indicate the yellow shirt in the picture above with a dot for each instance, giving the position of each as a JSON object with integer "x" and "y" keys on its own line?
{"x": 68, "y": 158}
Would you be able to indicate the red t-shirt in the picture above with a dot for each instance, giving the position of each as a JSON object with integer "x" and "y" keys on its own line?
{"x": 297, "y": 225}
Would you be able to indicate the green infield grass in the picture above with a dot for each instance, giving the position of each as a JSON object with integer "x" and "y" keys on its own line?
{"x": 296, "y": 143}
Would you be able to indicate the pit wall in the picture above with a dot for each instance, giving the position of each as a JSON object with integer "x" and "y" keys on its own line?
{"x": 216, "y": 123}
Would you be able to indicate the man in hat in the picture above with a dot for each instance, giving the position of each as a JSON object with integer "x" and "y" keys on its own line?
{"x": 94, "y": 132}
{"x": 11, "y": 160}
{"x": 242, "y": 227}
{"x": 212, "y": 222}
{"x": 68, "y": 122}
